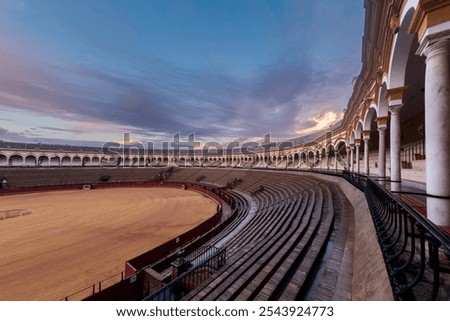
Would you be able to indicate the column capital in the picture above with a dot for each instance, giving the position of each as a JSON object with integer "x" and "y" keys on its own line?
{"x": 382, "y": 129}
{"x": 357, "y": 142}
{"x": 352, "y": 146}
{"x": 434, "y": 45}
{"x": 395, "y": 95}
{"x": 382, "y": 122}
{"x": 395, "y": 109}
{"x": 366, "y": 134}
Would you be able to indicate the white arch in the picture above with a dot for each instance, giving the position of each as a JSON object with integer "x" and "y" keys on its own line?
{"x": 359, "y": 130}
{"x": 371, "y": 113}
{"x": 400, "y": 49}
{"x": 383, "y": 103}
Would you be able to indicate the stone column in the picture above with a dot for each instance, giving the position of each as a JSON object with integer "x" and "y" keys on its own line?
{"x": 347, "y": 149}
{"x": 327, "y": 154}
{"x": 382, "y": 125}
{"x": 395, "y": 143}
{"x": 366, "y": 138}
{"x": 395, "y": 97}
{"x": 352, "y": 157}
{"x": 357, "y": 144}
{"x": 437, "y": 116}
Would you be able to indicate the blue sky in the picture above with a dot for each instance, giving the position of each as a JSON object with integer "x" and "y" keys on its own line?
{"x": 89, "y": 71}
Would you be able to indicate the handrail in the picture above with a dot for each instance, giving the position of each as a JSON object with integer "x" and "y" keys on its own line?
{"x": 410, "y": 243}
{"x": 189, "y": 280}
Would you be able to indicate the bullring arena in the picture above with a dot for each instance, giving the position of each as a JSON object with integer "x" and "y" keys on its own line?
{"x": 357, "y": 211}
{"x": 266, "y": 235}
{"x": 73, "y": 239}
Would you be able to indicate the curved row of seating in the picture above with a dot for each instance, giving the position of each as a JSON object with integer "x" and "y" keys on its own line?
{"x": 279, "y": 252}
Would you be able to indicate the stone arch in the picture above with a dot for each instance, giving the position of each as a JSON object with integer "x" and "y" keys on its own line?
{"x": 86, "y": 161}
{"x": 16, "y": 160}
{"x": 30, "y": 161}
{"x": 95, "y": 161}
{"x": 351, "y": 137}
{"x": 43, "y": 160}
{"x": 76, "y": 161}
{"x": 359, "y": 130}
{"x": 383, "y": 103}
{"x": 3, "y": 160}
{"x": 370, "y": 116}
{"x": 401, "y": 48}
{"x": 55, "y": 161}
{"x": 66, "y": 161}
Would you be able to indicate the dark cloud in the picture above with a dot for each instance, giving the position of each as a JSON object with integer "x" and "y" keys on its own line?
{"x": 59, "y": 129}
{"x": 7, "y": 135}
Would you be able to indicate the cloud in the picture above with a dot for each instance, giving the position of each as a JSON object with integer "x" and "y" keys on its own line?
{"x": 7, "y": 135}
{"x": 60, "y": 129}
{"x": 155, "y": 99}
{"x": 321, "y": 121}
{"x": 169, "y": 101}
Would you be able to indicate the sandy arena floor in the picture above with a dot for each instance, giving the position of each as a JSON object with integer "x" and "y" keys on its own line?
{"x": 76, "y": 238}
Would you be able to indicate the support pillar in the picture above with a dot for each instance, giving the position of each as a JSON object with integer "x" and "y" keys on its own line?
{"x": 348, "y": 157}
{"x": 395, "y": 143}
{"x": 327, "y": 160}
{"x": 366, "y": 138}
{"x": 437, "y": 115}
{"x": 352, "y": 157}
{"x": 395, "y": 96}
{"x": 357, "y": 144}
{"x": 382, "y": 125}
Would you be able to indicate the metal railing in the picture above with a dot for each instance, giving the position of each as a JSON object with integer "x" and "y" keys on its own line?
{"x": 357, "y": 180}
{"x": 413, "y": 248}
{"x": 95, "y": 288}
{"x": 192, "y": 278}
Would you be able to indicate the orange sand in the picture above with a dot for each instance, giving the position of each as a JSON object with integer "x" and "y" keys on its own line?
{"x": 77, "y": 238}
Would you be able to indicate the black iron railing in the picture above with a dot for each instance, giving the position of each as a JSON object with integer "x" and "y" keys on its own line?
{"x": 414, "y": 249}
{"x": 192, "y": 278}
{"x": 359, "y": 181}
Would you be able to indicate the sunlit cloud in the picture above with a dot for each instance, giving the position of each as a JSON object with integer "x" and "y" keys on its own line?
{"x": 321, "y": 121}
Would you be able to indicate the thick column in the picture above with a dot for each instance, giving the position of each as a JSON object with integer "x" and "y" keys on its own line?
{"x": 357, "y": 144}
{"x": 382, "y": 125}
{"x": 395, "y": 143}
{"x": 437, "y": 117}
{"x": 366, "y": 138}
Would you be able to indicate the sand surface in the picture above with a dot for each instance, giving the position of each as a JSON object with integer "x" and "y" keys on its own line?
{"x": 74, "y": 239}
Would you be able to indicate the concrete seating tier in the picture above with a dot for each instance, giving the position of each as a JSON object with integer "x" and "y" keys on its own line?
{"x": 279, "y": 252}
